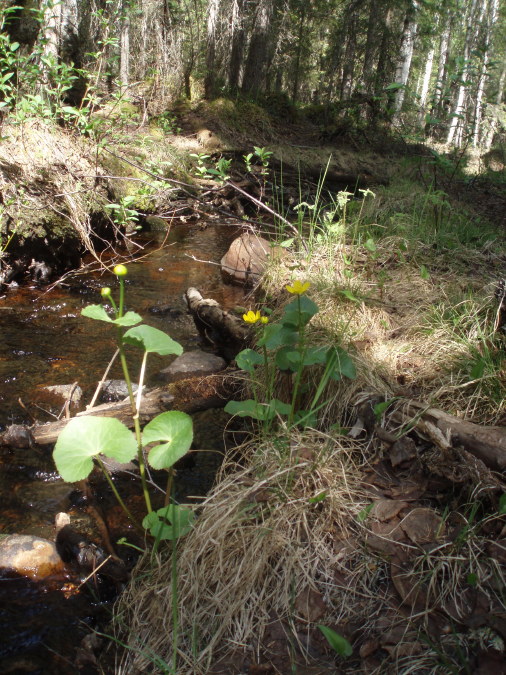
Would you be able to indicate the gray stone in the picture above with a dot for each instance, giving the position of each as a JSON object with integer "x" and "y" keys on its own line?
{"x": 115, "y": 390}
{"x": 67, "y": 392}
{"x": 192, "y": 364}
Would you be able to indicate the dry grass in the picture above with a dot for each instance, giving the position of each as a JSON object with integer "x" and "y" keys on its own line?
{"x": 258, "y": 542}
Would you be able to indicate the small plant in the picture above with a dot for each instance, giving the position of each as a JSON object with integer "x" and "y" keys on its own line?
{"x": 85, "y": 439}
{"x": 221, "y": 170}
{"x": 167, "y": 122}
{"x": 262, "y": 154}
{"x": 201, "y": 168}
{"x": 122, "y": 213}
{"x": 285, "y": 345}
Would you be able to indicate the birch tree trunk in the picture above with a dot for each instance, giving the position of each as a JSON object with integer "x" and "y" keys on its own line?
{"x": 442, "y": 65}
{"x": 456, "y": 127}
{"x": 478, "y": 110}
{"x": 124, "y": 47}
{"x": 425, "y": 84}
{"x": 405, "y": 57}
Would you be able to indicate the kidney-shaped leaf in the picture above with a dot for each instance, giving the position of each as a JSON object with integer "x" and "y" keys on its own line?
{"x": 96, "y": 312}
{"x": 176, "y": 430}
{"x": 85, "y": 437}
{"x": 152, "y": 340}
{"x": 248, "y": 359}
{"x": 169, "y": 522}
{"x": 128, "y": 319}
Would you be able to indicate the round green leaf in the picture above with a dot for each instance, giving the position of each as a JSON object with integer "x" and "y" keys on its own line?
{"x": 248, "y": 359}
{"x": 152, "y": 340}
{"x": 169, "y": 522}
{"x": 85, "y": 437}
{"x": 128, "y": 319}
{"x": 176, "y": 429}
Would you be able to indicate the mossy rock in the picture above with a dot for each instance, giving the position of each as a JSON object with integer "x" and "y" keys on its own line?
{"x": 30, "y": 556}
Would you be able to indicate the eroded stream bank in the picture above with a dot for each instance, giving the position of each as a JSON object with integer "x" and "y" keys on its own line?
{"x": 46, "y": 342}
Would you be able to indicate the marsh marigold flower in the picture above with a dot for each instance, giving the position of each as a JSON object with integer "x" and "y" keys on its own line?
{"x": 105, "y": 292}
{"x": 120, "y": 271}
{"x": 298, "y": 288}
{"x": 264, "y": 319}
{"x": 252, "y": 317}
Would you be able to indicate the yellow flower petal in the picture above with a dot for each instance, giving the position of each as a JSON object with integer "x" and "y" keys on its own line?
{"x": 298, "y": 288}
{"x": 251, "y": 316}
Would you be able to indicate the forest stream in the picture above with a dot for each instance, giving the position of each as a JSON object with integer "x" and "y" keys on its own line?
{"x": 46, "y": 342}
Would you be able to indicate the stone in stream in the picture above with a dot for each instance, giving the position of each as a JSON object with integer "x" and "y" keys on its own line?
{"x": 115, "y": 390}
{"x": 192, "y": 364}
{"x": 67, "y": 392}
{"x": 30, "y": 556}
{"x": 246, "y": 259}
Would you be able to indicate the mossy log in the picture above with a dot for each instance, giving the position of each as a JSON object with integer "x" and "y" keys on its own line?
{"x": 188, "y": 396}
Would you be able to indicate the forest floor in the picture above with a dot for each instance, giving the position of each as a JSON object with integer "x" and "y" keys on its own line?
{"x": 384, "y": 522}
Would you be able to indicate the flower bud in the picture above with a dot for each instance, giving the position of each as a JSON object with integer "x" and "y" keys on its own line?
{"x": 120, "y": 271}
{"x": 105, "y": 292}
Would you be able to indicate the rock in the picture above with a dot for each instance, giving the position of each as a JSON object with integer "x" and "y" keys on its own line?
{"x": 30, "y": 556}
{"x": 67, "y": 392}
{"x": 246, "y": 259}
{"x": 17, "y": 436}
{"x": 115, "y": 390}
{"x": 192, "y": 364}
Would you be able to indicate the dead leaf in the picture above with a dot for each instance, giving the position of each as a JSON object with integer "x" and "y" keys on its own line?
{"x": 386, "y": 509}
{"x": 422, "y": 526}
{"x": 403, "y": 450}
{"x": 310, "y": 605}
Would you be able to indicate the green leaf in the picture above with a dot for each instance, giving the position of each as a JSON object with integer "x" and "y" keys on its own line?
{"x": 96, "y": 312}
{"x": 152, "y": 340}
{"x": 380, "y": 408}
{"x": 258, "y": 411}
{"x": 424, "y": 272}
{"x": 349, "y": 295}
{"x": 291, "y": 315}
{"x": 248, "y": 359}
{"x": 502, "y": 504}
{"x": 472, "y": 580}
{"x": 339, "y": 644}
{"x": 362, "y": 515}
{"x": 318, "y": 498}
{"x": 85, "y": 437}
{"x": 315, "y": 355}
{"x": 176, "y": 429}
{"x": 287, "y": 243}
{"x": 275, "y": 335}
{"x": 169, "y": 522}
{"x": 344, "y": 364}
{"x": 287, "y": 358}
{"x": 128, "y": 319}
{"x": 478, "y": 369}
{"x": 370, "y": 245}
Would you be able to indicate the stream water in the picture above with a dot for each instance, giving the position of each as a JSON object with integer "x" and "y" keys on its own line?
{"x": 44, "y": 342}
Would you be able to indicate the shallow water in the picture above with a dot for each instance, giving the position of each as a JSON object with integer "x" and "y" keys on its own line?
{"x": 45, "y": 341}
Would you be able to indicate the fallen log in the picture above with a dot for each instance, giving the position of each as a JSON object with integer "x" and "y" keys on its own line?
{"x": 188, "y": 396}
{"x": 486, "y": 443}
{"x": 223, "y": 330}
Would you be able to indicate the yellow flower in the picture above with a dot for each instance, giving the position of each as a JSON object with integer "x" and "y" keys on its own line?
{"x": 264, "y": 319}
{"x": 105, "y": 292}
{"x": 251, "y": 316}
{"x": 298, "y": 288}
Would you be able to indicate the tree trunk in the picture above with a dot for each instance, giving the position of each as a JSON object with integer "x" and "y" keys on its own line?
{"x": 456, "y": 126}
{"x": 237, "y": 45}
{"x": 349, "y": 55}
{"x": 478, "y": 109}
{"x": 212, "y": 26}
{"x": 124, "y": 47}
{"x": 405, "y": 56}
{"x": 441, "y": 68}
{"x": 259, "y": 49}
{"x": 425, "y": 85}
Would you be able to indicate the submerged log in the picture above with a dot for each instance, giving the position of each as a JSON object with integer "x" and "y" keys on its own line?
{"x": 188, "y": 396}
{"x": 223, "y": 330}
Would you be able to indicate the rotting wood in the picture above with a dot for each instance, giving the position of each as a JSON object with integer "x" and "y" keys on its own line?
{"x": 188, "y": 396}
{"x": 223, "y": 330}
{"x": 486, "y": 443}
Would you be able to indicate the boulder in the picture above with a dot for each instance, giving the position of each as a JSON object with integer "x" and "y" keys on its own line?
{"x": 246, "y": 259}
{"x": 115, "y": 390}
{"x": 192, "y": 364}
{"x": 30, "y": 556}
{"x": 67, "y": 392}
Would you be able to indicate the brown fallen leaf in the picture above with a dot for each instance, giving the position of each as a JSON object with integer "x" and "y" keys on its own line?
{"x": 403, "y": 450}
{"x": 310, "y": 605}
{"x": 386, "y": 509}
{"x": 423, "y": 525}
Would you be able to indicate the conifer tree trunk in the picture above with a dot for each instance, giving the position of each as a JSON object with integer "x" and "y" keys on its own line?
{"x": 259, "y": 49}
{"x": 237, "y": 44}
{"x": 212, "y": 27}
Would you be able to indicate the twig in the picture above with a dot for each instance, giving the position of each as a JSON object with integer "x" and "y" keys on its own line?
{"x": 100, "y": 384}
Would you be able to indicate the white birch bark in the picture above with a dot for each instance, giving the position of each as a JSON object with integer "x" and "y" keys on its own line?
{"x": 478, "y": 111}
{"x": 425, "y": 84}
{"x": 405, "y": 57}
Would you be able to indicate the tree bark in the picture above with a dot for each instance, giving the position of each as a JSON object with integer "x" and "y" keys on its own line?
{"x": 237, "y": 45}
{"x": 192, "y": 395}
{"x": 405, "y": 57}
{"x": 212, "y": 26}
{"x": 259, "y": 49}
